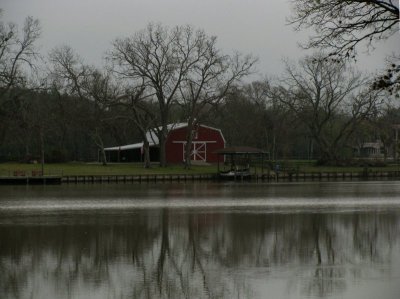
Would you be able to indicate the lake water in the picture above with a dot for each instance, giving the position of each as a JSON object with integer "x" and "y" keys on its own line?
{"x": 201, "y": 240}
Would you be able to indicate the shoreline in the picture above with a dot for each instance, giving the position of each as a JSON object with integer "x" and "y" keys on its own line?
{"x": 270, "y": 176}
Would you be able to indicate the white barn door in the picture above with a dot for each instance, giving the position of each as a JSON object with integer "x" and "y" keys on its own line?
{"x": 198, "y": 151}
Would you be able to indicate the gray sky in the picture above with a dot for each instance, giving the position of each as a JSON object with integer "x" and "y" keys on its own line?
{"x": 249, "y": 26}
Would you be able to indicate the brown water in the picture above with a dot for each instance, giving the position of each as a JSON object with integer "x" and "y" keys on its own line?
{"x": 203, "y": 240}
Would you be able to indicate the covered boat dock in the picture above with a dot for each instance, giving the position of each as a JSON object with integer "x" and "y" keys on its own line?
{"x": 240, "y": 162}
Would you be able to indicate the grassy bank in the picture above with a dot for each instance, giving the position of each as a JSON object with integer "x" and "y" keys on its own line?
{"x": 7, "y": 169}
{"x": 310, "y": 166}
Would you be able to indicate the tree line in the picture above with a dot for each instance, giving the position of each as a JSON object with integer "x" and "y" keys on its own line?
{"x": 58, "y": 108}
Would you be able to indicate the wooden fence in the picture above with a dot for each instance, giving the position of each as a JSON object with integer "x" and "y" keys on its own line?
{"x": 270, "y": 176}
{"x": 298, "y": 176}
{"x": 137, "y": 178}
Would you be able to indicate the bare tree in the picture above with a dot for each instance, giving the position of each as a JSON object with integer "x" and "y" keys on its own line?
{"x": 207, "y": 83}
{"x": 161, "y": 57}
{"x": 326, "y": 96}
{"x": 141, "y": 111}
{"x": 17, "y": 55}
{"x": 276, "y": 129}
{"x": 87, "y": 83}
{"x": 342, "y": 25}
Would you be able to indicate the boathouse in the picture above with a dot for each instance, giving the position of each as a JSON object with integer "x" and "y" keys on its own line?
{"x": 206, "y": 140}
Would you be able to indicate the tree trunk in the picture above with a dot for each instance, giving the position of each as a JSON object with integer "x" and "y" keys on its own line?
{"x": 329, "y": 156}
{"x": 274, "y": 147}
{"x": 163, "y": 133}
{"x": 188, "y": 145}
{"x": 146, "y": 154}
{"x": 163, "y": 156}
{"x": 162, "y": 137}
{"x": 146, "y": 144}
{"x": 103, "y": 156}
{"x": 99, "y": 142}
{"x": 42, "y": 151}
{"x": 2, "y": 133}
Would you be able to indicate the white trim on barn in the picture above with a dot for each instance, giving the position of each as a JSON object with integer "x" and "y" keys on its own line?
{"x": 184, "y": 142}
{"x": 124, "y": 147}
{"x": 199, "y": 151}
{"x": 215, "y": 129}
{"x": 197, "y": 145}
{"x": 152, "y": 138}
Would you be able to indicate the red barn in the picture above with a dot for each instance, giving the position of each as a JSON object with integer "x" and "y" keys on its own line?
{"x": 206, "y": 140}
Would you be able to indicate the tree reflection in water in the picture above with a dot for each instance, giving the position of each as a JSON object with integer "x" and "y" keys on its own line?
{"x": 191, "y": 254}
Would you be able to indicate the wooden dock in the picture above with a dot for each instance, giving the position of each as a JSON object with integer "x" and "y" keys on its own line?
{"x": 265, "y": 177}
{"x": 138, "y": 178}
{"x": 159, "y": 178}
{"x": 31, "y": 180}
{"x": 315, "y": 176}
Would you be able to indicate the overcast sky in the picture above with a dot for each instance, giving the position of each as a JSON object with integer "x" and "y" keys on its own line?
{"x": 258, "y": 27}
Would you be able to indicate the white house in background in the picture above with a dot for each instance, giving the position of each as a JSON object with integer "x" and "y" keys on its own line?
{"x": 374, "y": 150}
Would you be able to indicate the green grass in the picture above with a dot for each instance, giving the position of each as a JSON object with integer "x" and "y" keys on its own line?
{"x": 346, "y": 169}
{"x": 7, "y": 169}
{"x": 310, "y": 166}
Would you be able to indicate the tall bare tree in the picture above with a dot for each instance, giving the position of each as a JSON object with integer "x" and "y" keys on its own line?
{"x": 17, "y": 55}
{"x": 208, "y": 82}
{"x": 141, "y": 111}
{"x": 87, "y": 83}
{"x": 276, "y": 130}
{"x": 162, "y": 57}
{"x": 326, "y": 96}
{"x": 17, "y": 52}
